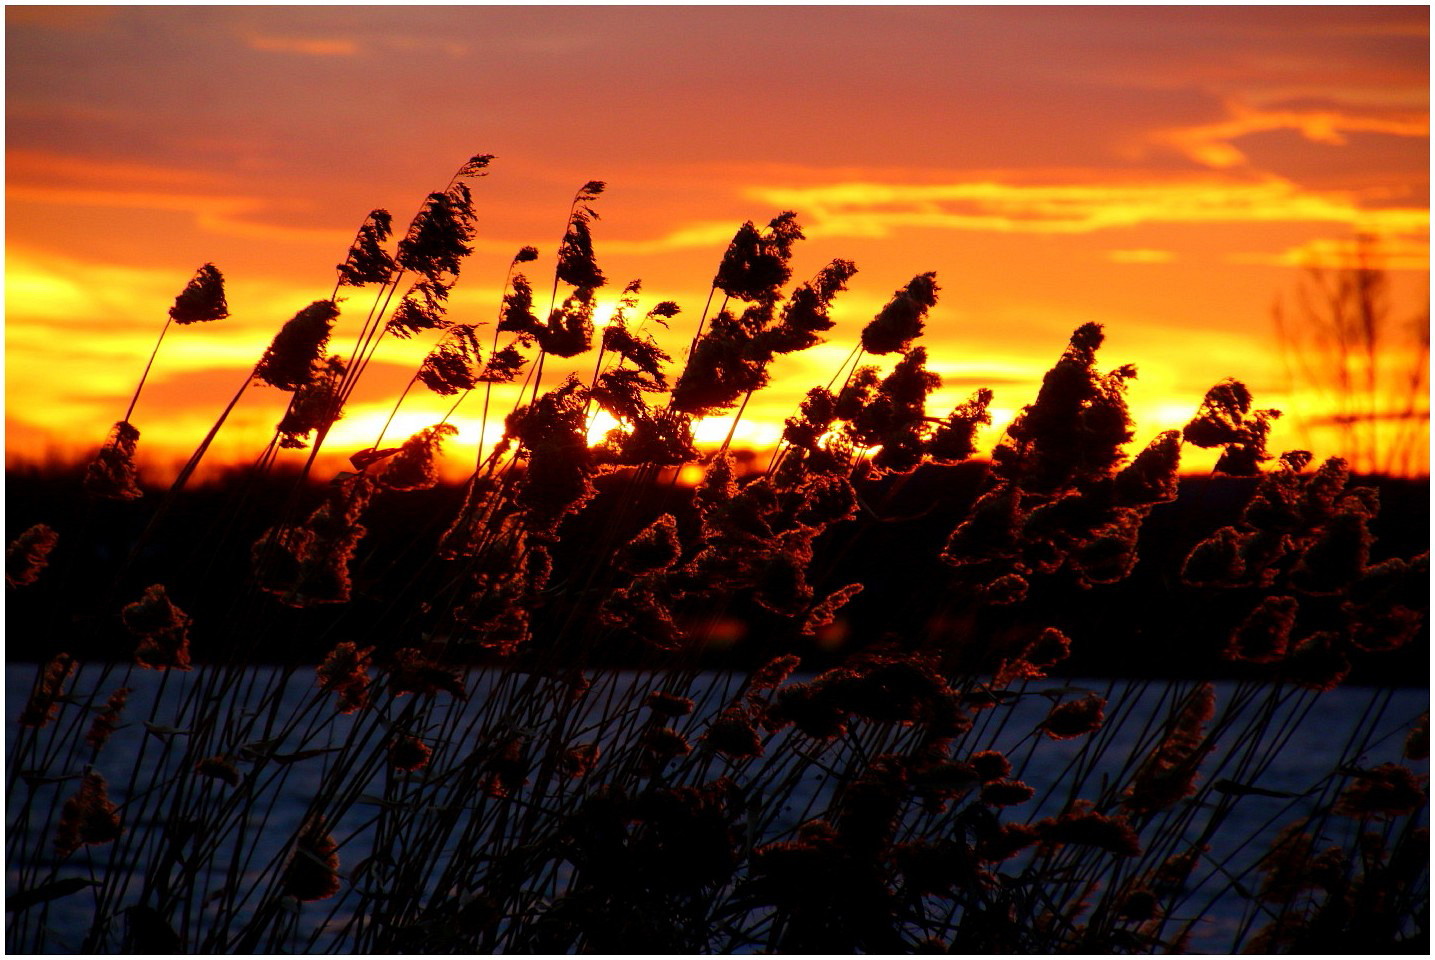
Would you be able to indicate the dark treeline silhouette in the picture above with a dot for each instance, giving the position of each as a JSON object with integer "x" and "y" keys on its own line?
{"x": 1148, "y": 624}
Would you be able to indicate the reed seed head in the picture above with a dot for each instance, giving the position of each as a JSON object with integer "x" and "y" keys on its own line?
{"x": 88, "y": 818}
{"x": 40, "y": 708}
{"x": 367, "y": 261}
{"x": 112, "y": 474}
{"x": 163, "y": 629}
{"x": 202, "y": 299}
{"x": 28, "y": 554}
{"x": 312, "y": 872}
{"x": 289, "y": 361}
{"x": 902, "y": 319}
{"x": 1075, "y": 718}
{"x": 107, "y": 721}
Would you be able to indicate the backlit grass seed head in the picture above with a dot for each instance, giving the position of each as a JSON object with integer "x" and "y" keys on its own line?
{"x": 367, "y": 261}
{"x": 558, "y": 480}
{"x": 1139, "y": 905}
{"x": 656, "y": 548}
{"x": 507, "y": 767}
{"x": 323, "y": 548}
{"x": 88, "y": 818}
{"x": 1287, "y": 865}
{"x": 409, "y": 754}
{"x": 639, "y": 611}
{"x": 991, "y": 531}
{"x": 755, "y": 265}
{"x": 1215, "y": 561}
{"x": 289, "y": 361}
{"x": 1075, "y": 718}
{"x": 662, "y": 440}
{"x": 40, "y": 708}
{"x": 1074, "y": 432}
{"x": 202, "y": 299}
{"x": 733, "y": 734}
{"x": 668, "y": 705}
{"x": 312, "y": 872}
{"x": 1005, "y": 590}
{"x": 1006, "y": 793}
{"x": 826, "y": 499}
{"x": 902, "y": 319}
{"x": 1110, "y": 555}
{"x": 1382, "y": 793}
{"x": 316, "y": 404}
{"x": 277, "y": 557}
{"x": 1337, "y": 557}
{"x": 107, "y": 721}
{"x": 771, "y": 674}
{"x": 823, "y": 614}
{"x": 579, "y": 760}
{"x": 112, "y": 474}
{"x": 620, "y": 393}
{"x": 503, "y": 366}
{"x": 28, "y": 554}
{"x": 990, "y": 765}
{"x": 1318, "y": 662}
{"x": 412, "y": 672}
{"x": 577, "y": 264}
{"x": 1323, "y": 488}
{"x": 569, "y": 330}
{"x": 1417, "y": 742}
{"x": 719, "y": 484}
{"x": 163, "y": 629}
{"x": 424, "y": 307}
{"x": 475, "y": 166}
{"x": 517, "y": 315}
{"x": 439, "y": 238}
{"x": 1006, "y": 843}
{"x": 782, "y": 585}
{"x": 1175, "y": 871}
{"x": 642, "y": 352}
{"x": 805, "y": 314}
{"x": 954, "y": 439}
{"x": 415, "y": 466}
{"x": 453, "y": 365}
{"x": 1222, "y": 415}
{"x": 1169, "y": 774}
{"x": 1265, "y": 633}
{"x": 815, "y": 415}
{"x": 895, "y": 418}
{"x": 1244, "y": 459}
{"x": 719, "y": 371}
{"x": 1152, "y": 476}
{"x": 345, "y": 673}
{"x": 1082, "y": 826}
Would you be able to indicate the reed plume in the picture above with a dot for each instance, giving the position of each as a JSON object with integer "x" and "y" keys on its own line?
{"x": 367, "y": 261}
{"x": 28, "y": 554}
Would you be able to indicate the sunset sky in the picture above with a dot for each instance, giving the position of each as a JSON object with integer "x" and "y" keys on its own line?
{"x": 1163, "y": 171}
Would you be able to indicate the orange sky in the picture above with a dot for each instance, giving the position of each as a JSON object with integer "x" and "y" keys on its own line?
{"x": 1163, "y": 171}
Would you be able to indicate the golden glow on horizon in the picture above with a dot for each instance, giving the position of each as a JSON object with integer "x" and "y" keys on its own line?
{"x": 1171, "y": 199}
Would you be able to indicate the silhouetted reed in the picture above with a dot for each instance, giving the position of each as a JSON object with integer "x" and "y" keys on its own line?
{"x": 908, "y": 768}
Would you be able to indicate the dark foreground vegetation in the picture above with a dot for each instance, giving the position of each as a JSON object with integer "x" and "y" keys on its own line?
{"x": 1147, "y": 625}
{"x": 473, "y": 774}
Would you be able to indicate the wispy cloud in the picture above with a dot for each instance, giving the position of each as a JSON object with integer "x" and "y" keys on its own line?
{"x": 1396, "y": 253}
{"x": 307, "y": 46}
{"x": 869, "y": 209}
{"x": 1140, "y": 256}
{"x": 235, "y": 215}
{"x": 1212, "y": 144}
